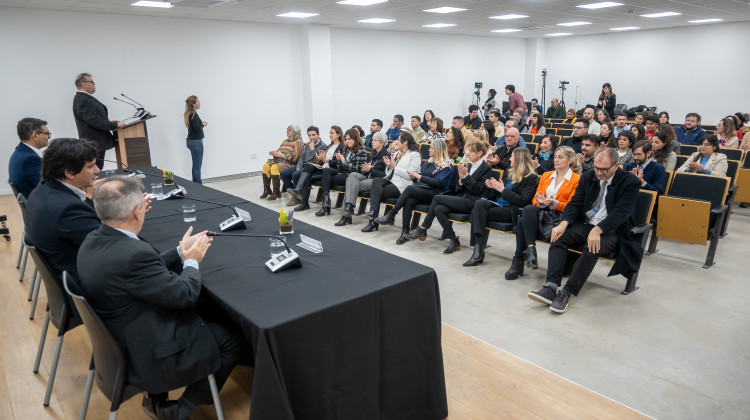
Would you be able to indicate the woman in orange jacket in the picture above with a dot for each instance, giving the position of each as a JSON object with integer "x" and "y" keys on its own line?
{"x": 554, "y": 192}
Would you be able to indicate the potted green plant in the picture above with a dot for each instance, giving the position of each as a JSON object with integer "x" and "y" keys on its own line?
{"x": 168, "y": 177}
{"x": 286, "y": 226}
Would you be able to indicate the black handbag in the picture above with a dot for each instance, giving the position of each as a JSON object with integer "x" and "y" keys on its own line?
{"x": 548, "y": 219}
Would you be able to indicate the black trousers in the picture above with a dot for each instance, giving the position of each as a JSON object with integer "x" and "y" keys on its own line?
{"x": 576, "y": 235}
{"x": 442, "y": 205}
{"x": 527, "y": 229}
{"x": 485, "y": 211}
{"x": 332, "y": 177}
{"x": 380, "y": 190}
{"x": 233, "y": 348}
{"x": 412, "y": 196}
{"x": 315, "y": 174}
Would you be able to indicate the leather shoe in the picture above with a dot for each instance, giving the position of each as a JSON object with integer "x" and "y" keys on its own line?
{"x": 371, "y": 225}
{"x": 477, "y": 257}
{"x": 419, "y": 233}
{"x": 303, "y": 206}
{"x": 167, "y": 411}
{"x": 453, "y": 246}
{"x": 531, "y": 260}
{"x": 388, "y": 219}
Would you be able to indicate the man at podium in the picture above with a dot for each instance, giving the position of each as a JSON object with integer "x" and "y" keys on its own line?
{"x": 91, "y": 117}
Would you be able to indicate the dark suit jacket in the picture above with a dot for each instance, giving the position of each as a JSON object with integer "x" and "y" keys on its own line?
{"x": 620, "y": 202}
{"x": 376, "y": 160}
{"x": 654, "y": 174}
{"x": 148, "y": 309}
{"x": 504, "y": 154}
{"x": 473, "y": 185}
{"x": 519, "y": 195}
{"x": 574, "y": 142}
{"x": 24, "y": 169}
{"x": 92, "y": 121}
{"x": 58, "y": 222}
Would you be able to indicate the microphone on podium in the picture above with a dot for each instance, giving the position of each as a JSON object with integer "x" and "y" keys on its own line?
{"x": 237, "y": 221}
{"x": 277, "y": 263}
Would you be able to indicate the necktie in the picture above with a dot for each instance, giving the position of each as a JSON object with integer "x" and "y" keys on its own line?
{"x": 602, "y": 189}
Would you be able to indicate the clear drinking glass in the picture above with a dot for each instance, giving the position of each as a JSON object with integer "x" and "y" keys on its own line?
{"x": 156, "y": 189}
{"x": 277, "y": 246}
{"x": 188, "y": 213}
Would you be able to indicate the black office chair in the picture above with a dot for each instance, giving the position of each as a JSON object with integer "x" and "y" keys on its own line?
{"x": 23, "y": 251}
{"x": 732, "y": 154}
{"x": 59, "y": 311}
{"x": 108, "y": 365}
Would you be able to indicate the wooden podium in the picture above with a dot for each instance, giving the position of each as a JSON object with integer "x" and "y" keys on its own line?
{"x": 132, "y": 145}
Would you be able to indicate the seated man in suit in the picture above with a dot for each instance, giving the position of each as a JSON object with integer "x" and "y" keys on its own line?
{"x": 147, "y": 301}
{"x": 25, "y": 165}
{"x": 600, "y": 215}
{"x": 652, "y": 174}
{"x": 500, "y": 158}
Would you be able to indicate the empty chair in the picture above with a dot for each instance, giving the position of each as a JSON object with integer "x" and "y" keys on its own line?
{"x": 689, "y": 149}
{"x": 23, "y": 251}
{"x": 527, "y": 137}
{"x": 732, "y": 154}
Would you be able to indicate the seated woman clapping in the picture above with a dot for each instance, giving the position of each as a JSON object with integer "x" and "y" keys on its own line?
{"x": 433, "y": 179}
{"x": 373, "y": 168}
{"x": 708, "y": 159}
{"x": 286, "y": 156}
{"x": 309, "y": 171}
{"x": 472, "y": 175}
{"x": 554, "y": 192}
{"x": 405, "y": 160}
{"x": 347, "y": 160}
{"x": 502, "y": 201}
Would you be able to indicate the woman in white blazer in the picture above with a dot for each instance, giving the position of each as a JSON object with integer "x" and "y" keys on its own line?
{"x": 707, "y": 160}
{"x": 406, "y": 159}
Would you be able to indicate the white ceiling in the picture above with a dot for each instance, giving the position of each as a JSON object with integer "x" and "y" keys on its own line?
{"x": 544, "y": 15}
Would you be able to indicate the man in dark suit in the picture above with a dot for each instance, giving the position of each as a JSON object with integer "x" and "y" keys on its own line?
{"x": 59, "y": 212}
{"x": 652, "y": 174}
{"x": 580, "y": 129}
{"x": 600, "y": 215}
{"x": 500, "y": 158}
{"x": 92, "y": 119}
{"x": 25, "y": 165}
{"x": 147, "y": 301}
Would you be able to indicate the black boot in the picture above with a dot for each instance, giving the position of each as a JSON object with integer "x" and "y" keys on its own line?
{"x": 515, "y": 270}
{"x": 326, "y": 206}
{"x": 419, "y": 233}
{"x": 387, "y": 219}
{"x": 374, "y": 211}
{"x": 371, "y": 225}
{"x": 477, "y": 257}
{"x": 298, "y": 191}
{"x": 531, "y": 261}
{"x": 402, "y": 239}
{"x": 346, "y": 218}
{"x": 302, "y": 206}
{"x": 453, "y": 246}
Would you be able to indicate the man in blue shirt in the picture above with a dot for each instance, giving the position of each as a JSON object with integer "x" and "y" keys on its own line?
{"x": 25, "y": 165}
{"x": 620, "y": 123}
{"x": 690, "y": 133}
{"x": 395, "y": 130}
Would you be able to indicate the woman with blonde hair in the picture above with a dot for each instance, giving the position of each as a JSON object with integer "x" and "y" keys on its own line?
{"x": 554, "y": 192}
{"x": 503, "y": 200}
{"x": 433, "y": 179}
{"x": 571, "y": 117}
{"x": 194, "y": 140}
{"x": 286, "y": 156}
{"x": 727, "y": 133}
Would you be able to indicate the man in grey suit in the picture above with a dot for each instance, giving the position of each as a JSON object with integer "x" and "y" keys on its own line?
{"x": 92, "y": 118}
{"x": 147, "y": 301}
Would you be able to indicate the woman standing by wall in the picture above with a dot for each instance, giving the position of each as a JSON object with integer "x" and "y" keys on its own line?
{"x": 608, "y": 100}
{"x": 194, "y": 138}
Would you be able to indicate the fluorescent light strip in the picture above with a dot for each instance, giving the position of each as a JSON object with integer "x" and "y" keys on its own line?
{"x": 560, "y": 34}
{"x": 600, "y": 5}
{"x": 625, "y": 28}
{"x": 376, "y": 20}
{"x": 445, "y": 10}
{"x": 706, "y": 20}
{"x": 509, "y": 16}
{"x": 574, "y": 23}
{"x": 361, "y": 2}
{"x": 298, "y": 15}
{"x": 505, "y": 31}
{"x": 439, "y": 25}
{"x": 148, "y": 3}
{"x": 661, "y": 14}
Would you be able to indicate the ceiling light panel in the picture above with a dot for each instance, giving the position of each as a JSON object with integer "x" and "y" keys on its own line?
{"x": 505, "y": 31}
{"x": 147, "y": 3}
{"x": 439, "y": 25}
{"x": 600, "y": 5}
{"x": 706, "y": 20}
{"x": 574, "y": 23}
{"x": 298, "y": 15}
{"x": 560, "y": 34}
{"x": 661, "y": 14}
{"x": 445, "y": 10}
{"x": 376, "y": 20}
{"x": 509, "y": 16}
{"x": 361, "y": 2}
{"x": 625, "y": 28}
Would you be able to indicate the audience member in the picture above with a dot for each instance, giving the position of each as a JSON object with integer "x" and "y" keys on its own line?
{"x": 290, "y": 176}
{"x": 652, "y": 123}
{"x": 285, "y": 157}
{"x": 504, "y": 199}
{"x": 324, "y": 158}
{"x": 416, "y": 128}
{"x": 625, "y": 147}
{"x": 601, "y": 116}
{"x": 662, "y": 150}
{"x": 544, "y": 159}
{"x": 150, "y": 309}
{"x": 652, "y": 174}
{"x": 25, "y": 165}
{"x": 427, "y": 120}
{"x": 690, "y": 132}
{"x": 501, "y": 157}
{"x": 594, "y": 127}
{"x": 500, "y": 141}
{"x": 515, "y": 100}
{"x": 495, "y": 119}
{"x": 535, "y": 106}
{"x": 348, "y": 159}
{"x": 727, "y": 134}
{"x": 472, "y": 121}
{"x": 555, "y": 110}
{"x": 663, "y": 117}
{"x": 570, "y": 117}
{"x": 580, "y": 128}
{"x": 589, "y": 145}
{"x": 640, "y": 118}
{"x": 395, "y": 128}
{"x": 454, "y": 141}
{"x": 671, "y": 137}
{"x": 606, "y": 138}
{"x": 555, "y": 190}
{"x": 599, "y": 216}
{"x": 518, "y": 117}
{"x": 436, "y": 131}
{"x": 471, "y": 184}
{"x": 620, "y": 123}
{"x": 536, "y": 124}
{"x": 740, "y": 119}
{"x": 490, "y": 104}
{"x": 639, "y": 132}
{"x": 707, "y": 160}
{"x": 91, "y": 117}
{"x": 433, "y": 179}
{"x": 607, "y": 100}
{"x": 375, "y": 126}
{"x": 406, "y": 161}
{"x": 491, "y": 129}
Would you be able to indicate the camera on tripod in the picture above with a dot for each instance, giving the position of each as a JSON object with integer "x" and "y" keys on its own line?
{"x": 477, "y": 85}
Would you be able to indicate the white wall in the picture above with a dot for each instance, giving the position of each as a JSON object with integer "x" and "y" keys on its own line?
{"x": 379, "y": 73}
{"x": 700, "y": 69}
{"x": 247, "y": 76}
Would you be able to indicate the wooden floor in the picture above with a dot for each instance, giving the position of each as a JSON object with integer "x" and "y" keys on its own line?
{"x": 483, "y": 382}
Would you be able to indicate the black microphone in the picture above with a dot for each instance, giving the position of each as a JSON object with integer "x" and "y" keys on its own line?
{"x": 276, "y": 263}
{"x": 126, "y": 102}
{"x": 235, "y": 222}
{"x": 119, "y": 163}
{"x": 141, "y": 106}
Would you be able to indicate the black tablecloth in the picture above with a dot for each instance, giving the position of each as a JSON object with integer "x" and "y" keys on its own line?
{"x": 353, "y": 334}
